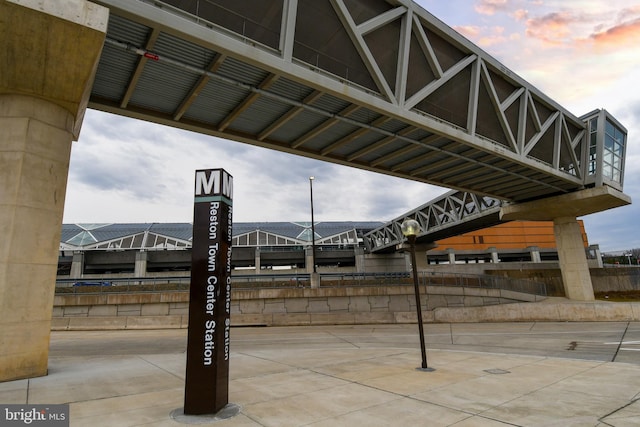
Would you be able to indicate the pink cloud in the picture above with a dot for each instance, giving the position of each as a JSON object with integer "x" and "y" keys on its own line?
{"x": 490, "y": 7}
{"x": 619, "y": 36}
{"x": 495, "y": 37}
{"x": 469, "y": 31}
{"x": 484, "y": 37}
{"x": 569, "y": 26}
{"x": 552, "y": 28}
{"x": 520, "y": 15}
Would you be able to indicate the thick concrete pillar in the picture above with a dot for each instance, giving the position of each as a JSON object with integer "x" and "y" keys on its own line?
{"x": 48, "y": 55}
{"x": 308, "y": 259}
{"x": 77, "y": 265}
{"x": 140, "y": 269}
{"x": 35, "y": 145}
{"x": 573, "y": 261}
{"x": 563, "y": 211}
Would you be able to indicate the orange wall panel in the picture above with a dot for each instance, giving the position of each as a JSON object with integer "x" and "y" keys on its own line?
{"x": 509, "y": 235}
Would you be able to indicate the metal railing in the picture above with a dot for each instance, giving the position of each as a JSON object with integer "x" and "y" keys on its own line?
{"x": 276, "y": 281}
{"x": 485, "y": 281}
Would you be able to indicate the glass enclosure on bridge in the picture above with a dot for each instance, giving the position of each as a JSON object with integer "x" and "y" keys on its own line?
{"x": 607, "y": 145}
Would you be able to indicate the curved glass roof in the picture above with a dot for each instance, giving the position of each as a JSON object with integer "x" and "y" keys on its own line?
{"x": 179, "y": 235}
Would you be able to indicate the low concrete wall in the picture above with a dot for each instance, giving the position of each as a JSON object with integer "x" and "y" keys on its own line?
{"x": 603, "y": 279}
{"x": 550, "y": 310}
{"x": 616, "y": 279}
{"x": 292, "y": 306}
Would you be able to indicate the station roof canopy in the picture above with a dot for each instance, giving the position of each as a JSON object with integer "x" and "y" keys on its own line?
{"x": 154, "y": 236}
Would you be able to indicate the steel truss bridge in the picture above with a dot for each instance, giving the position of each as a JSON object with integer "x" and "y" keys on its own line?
{"x": 453, "y": 213}
{"x": 380, "y": 85}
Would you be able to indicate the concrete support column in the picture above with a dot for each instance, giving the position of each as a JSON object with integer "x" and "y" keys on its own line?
{"x": 597, "y": 256}
{"x": 308, "y": 259}
{"x": 140, "y": 269}
{"x": 452, "y": 256}
{"x": 50, "y": 51}
{"x": 360, "y": 260}
{"x": 535, "y": 254}
{"x": 35, "y": 146}
{"x": 308, "y": 262}
{"x": 77, "y": 265}
{"x": 257, "y": 260}
{"x": 563, "y": 211}
{"x": 422, "y": 254}
{"x": 573, "y": 261}
{"x": 494, "y": 255}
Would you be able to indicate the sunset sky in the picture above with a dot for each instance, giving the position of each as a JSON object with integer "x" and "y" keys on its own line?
{"x": 583, "y": 54}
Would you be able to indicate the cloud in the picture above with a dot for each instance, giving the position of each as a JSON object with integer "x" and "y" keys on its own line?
{"x": 622, "y": 35}
{"x": 607, "y": 27}
{"x": 486, "y": 36}
{"x": 520, "y": 14}
{"x": 490, "y": 7}
{"x": 552, "y": 28}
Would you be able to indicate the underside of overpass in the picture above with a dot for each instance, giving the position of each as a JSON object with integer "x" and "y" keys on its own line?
{"x": 380, "y": 85}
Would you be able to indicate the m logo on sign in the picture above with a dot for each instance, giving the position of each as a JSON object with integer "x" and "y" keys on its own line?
{"x": 214, "y": 182}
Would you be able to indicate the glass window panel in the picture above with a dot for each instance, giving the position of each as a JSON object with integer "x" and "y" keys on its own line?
{"x": 608, "y": 142}
{"x": 126, "y": 243}
{"x": 617, "y": 149}
{"x": 594, "y": 124}
{"x": 617, "y": 162}
{"x": 609, "y": 128}
{"x": 617, "y": 133}
{"x": 137, "y": 240}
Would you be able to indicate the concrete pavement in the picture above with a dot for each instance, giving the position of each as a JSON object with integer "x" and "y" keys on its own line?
{"x": 498, "y": 374}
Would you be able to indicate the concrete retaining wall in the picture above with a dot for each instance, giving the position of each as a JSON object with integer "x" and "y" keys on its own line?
{"x": 352, "y": 305}
{"x": 603, "y": 279}
{"x": 550, "y": 310}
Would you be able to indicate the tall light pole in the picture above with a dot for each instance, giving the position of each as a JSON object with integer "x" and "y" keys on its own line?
{"x": 313, "y": 227}
{"x": 410, "y": 229}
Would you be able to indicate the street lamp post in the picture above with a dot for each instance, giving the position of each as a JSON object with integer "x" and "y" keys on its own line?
{"x": 410, "y": 229}
{"x": 313, "y": 227}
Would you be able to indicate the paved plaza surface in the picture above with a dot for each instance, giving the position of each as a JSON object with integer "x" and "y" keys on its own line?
{"x": 487, "y": 374}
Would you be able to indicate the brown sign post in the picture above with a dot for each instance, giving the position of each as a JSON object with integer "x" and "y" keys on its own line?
{"x": 207, "y": 375}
